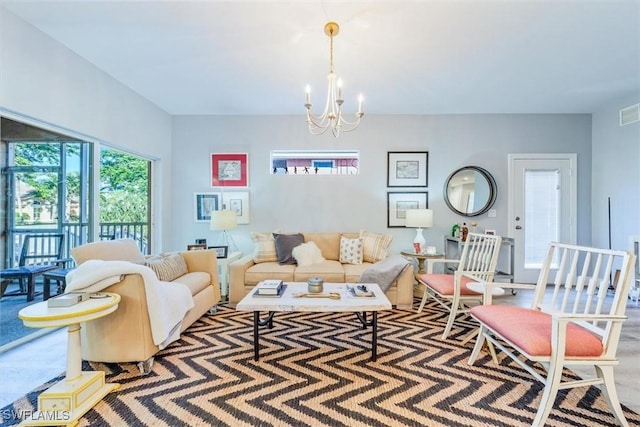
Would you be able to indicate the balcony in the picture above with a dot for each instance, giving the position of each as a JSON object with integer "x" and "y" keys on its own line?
{"x": 11, "y": 327}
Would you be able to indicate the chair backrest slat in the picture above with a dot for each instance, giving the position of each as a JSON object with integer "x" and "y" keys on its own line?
{"x": 480, "y": 255}
{"x": 41, "y": 248}
{"x": 583, "y": 281}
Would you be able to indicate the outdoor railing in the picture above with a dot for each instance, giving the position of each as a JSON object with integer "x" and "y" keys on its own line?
{"x": 77, "y": 234}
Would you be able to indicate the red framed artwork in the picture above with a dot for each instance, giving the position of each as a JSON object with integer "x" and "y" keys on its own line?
{"x": 229, "y": 170}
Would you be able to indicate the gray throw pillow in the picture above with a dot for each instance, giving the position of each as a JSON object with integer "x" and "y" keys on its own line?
{"x": 284, "y": 246}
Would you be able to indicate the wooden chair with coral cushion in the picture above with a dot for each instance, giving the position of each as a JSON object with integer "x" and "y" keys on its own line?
{"x": 576, "y": 320}
{"x": 477, "y": 261}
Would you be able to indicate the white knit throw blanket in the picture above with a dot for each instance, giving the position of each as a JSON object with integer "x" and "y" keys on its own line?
{"x": 167, "y": 302}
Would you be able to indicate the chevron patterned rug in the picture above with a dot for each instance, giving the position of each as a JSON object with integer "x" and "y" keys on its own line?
{"x": 314, "y": 369}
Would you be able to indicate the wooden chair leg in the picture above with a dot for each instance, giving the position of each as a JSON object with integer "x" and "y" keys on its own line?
{"x": 549, "y": 394}
{"x": 31, "y": 287}
{"x": 478, "y": 347}
{"x": 425, "y": 297}
{"x": 452, "y": 317}
{"x": 605, "y": 373}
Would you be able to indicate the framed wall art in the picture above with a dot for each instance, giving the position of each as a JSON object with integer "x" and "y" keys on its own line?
{"x": 237, "y": 201}
{"x": 398, "y": 202}
{"x": 221, "y": 251}
{"x": 196, "y": 247}
{"x": 229, "y": 170}
{"x": 204, "y": 203}
{"x": 407, "y": 168}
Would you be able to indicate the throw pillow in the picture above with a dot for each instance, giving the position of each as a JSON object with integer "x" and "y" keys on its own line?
{"x": 285, "y": 244}
{"x": 167, "y": 266}
{"x": 265, "y": 248}
{"x": 307, "y": 254}
{"x": 374, "y": 246}
{"x": 350, "y": 251}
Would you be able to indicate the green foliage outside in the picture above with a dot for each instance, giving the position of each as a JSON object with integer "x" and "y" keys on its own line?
{"x": 123, "y": 187}
{"x": 123, "y": 182}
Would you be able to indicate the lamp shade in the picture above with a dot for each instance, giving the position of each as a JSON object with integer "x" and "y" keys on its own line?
{"x": 419, "y": 218}
{"x": 223, "y": 220}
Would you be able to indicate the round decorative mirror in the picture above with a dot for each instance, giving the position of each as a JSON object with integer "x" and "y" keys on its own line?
{"x": 470, "y": 191}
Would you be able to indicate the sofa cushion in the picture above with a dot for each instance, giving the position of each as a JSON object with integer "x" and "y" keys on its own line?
{"x": 265, "y": 247}
{"x": 352, "y": 272}
{"x": 307, "y": 254}
{"x": 329, "y": 270}
{"x": 351, "y": 250}
{"x": 196, "y": 281}
{"x": 375, "y": 245}
{"x": 284, "y": 246}
{"x": 108, "y": 250}
{"x": 268, "y": 270}
{"x": 329, "y": 244}
{"x": 167, "y": 266}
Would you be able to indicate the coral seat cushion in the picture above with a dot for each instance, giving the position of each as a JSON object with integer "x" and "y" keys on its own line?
{"x": 443, "y": 283}
{"x": 530, "y": 330}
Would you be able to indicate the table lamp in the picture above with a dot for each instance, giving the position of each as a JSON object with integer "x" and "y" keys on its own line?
{"x": 224, "y": 220}
{"x": 419, "y": 219}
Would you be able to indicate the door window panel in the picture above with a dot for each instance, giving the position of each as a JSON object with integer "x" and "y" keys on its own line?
{"x": 542, "y": 214}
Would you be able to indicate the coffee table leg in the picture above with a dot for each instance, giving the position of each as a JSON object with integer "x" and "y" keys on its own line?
{"x": 256, "y": 335}
{"x": 374, "y": 336}
{"x": 268, "y": 321}
{"x": 374, "y": 331}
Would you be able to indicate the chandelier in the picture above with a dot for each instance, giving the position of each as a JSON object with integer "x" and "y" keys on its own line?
{"x": 331, "y": 117}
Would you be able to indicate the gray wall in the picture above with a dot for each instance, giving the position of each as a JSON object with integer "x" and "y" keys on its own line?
{"x": 616, "y": 175}
{"x": 351, "y": 203}
{"x": 46, "y": 84}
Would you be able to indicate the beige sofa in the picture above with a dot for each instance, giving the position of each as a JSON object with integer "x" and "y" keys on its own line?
{"x": 125, "y": 335}
{"x": 245, "y": 273}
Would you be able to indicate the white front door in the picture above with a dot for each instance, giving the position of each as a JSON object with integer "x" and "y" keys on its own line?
{"x": 542, "y": 208}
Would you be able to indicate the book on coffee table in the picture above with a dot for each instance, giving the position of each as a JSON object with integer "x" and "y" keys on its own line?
{"x": 269, "y": 287}
{"x": 281, "y": 290}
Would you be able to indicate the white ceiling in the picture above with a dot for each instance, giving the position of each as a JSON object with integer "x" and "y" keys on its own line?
{"x": 406, "y": 57}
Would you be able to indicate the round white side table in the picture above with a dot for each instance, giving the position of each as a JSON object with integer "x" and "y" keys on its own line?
{"x": 66, "y": 401}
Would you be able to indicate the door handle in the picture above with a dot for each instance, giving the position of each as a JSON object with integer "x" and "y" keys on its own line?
{"x": 518, "y": 227}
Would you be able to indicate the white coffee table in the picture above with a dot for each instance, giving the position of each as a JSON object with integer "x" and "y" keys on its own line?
{"x": 289, "y": 302}
{"x": 66, "y": 401}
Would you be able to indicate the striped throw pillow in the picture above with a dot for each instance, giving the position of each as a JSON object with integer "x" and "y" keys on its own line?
{"x": 375, "y": 245}
{"x": 167, "y": 266}
{"x": 265, "y": 248}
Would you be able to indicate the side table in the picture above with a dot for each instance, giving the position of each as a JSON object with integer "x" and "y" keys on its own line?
{"x": 417, "y": 291}
{"x": 66, "y": 401}
{"x": 421, "y": 258}
{"x": 223, "y": 273}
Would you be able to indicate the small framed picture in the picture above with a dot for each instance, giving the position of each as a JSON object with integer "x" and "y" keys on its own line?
{"x": 407, "y": 168}
{"x": 491, "y": 232}
{"x": 196, "y": 247}
{"x": 398, "y": 202}
{"x": 204, "y": 203}
{"x": 221, "y": 251}
{"x": 201, "y": 242}
{"x": 237, "y": 201}
{"x": 229, "y": 170}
